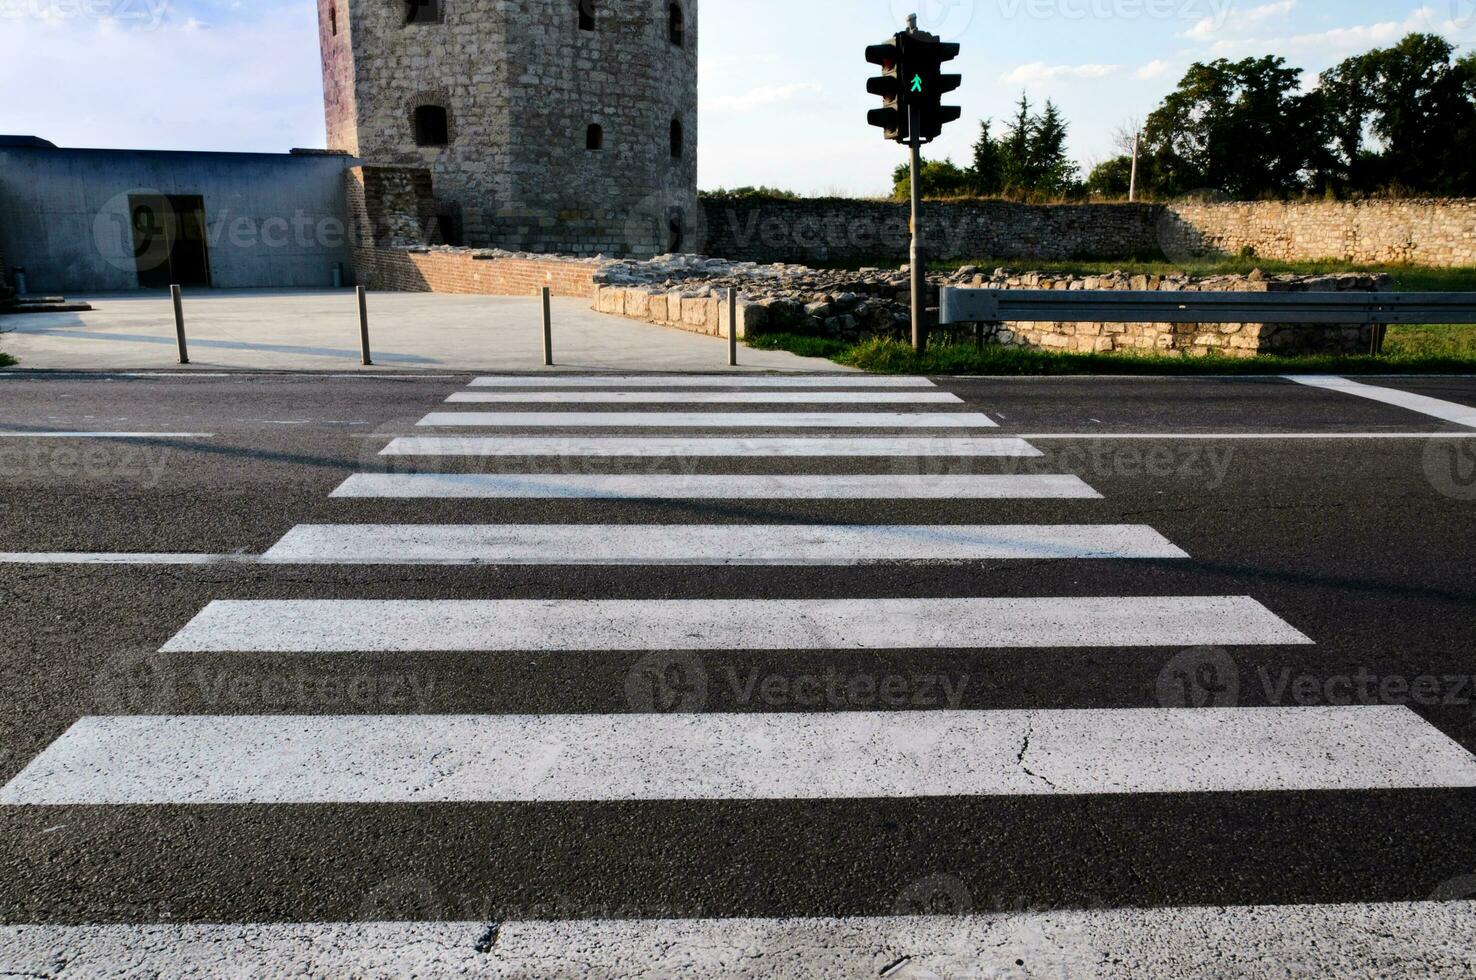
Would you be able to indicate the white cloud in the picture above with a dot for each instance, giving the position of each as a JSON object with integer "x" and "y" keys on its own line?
{"x": 1344, "y": 41}
{"x": 763, "y": 97}
{"x": 1040, "y": 73}
{"x": 1231, "y": 21}
{"x": 1154, "y": 69}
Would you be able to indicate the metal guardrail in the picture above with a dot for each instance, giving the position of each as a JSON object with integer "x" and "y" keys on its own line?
{"x": 1111, "y": 306}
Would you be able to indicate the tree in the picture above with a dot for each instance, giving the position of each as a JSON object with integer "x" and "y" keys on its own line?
{"x": 940, "y": 178}
{"x": 1014, "y": 149}
{"x": 1403, "y": 119}
{"x": 988, "y": 163}
{"x": 1029, "y": 158}
{"x": 1051, "y": 170}
{"x": 1242, "y": 127}
{"x": 1111, "y": 178}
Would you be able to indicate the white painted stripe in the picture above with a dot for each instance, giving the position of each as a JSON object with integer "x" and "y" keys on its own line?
{"x": 704, "y": 544}
{"x": 634, "y": 446}
{"x": 107, "y": 435}
{"x": 1245, "y": 436}
{"x": 711, "y": 420}
{"x": 702, "y": 381}
{"x": 368, "y": 759}
{"x": 114, "y": 558}
{"x": 708, "y": 397}
{"x": 109, "y": 375}
{"x": 471, "y": 625}
{"x": 615, "y": 486}
{"x": 1425, "y": 405}
{"x": 1401, "y": 939}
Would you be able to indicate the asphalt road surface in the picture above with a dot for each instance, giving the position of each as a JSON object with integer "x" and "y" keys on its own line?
{"x": 764, "y": 676}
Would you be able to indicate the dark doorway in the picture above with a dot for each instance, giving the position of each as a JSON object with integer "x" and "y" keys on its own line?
{"x": 169, "y": 240}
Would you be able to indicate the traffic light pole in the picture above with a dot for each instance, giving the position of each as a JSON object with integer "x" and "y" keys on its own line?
{"x": 919, "y": 272}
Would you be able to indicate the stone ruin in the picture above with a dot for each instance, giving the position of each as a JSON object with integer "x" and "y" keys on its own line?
{"x": 687, "y": 292}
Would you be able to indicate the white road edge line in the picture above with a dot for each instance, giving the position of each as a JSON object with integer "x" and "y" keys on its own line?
{"x": 1267, "y": 436}
{"x": 1423, "y": 404}
{"x": 738, "y": 544}
{"x": 590, "y": 625}
{"x": 107, "y": 435}
{"x": 117, "y": 558}
{"x": 589, "y": 486}
{"x": 1404, "y": 939}
{"x": 192, "y": 760}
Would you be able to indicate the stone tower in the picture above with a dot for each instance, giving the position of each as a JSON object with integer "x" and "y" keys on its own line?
{"x": 547, "y": 125}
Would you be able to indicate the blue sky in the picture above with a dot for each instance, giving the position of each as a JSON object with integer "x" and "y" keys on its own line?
{"x": 783, "y": 83}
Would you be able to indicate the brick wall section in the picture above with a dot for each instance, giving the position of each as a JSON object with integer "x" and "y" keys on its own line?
{"x": 465, "y": 272}
{"x": 1437, "y": 233}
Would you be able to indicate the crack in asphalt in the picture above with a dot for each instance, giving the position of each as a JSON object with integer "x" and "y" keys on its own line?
{"x": 1025, "y": 747}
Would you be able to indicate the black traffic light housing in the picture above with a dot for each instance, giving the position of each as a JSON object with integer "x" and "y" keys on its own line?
{"x": 892, "y": 116}
{"x": 912, "y": 77}
{"x": 927, "y": 84}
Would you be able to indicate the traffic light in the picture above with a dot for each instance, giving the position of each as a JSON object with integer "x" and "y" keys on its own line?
{"x": 926, "y": 84}
{"x": 912, "y": 78}
{"x": 892, "y": 117}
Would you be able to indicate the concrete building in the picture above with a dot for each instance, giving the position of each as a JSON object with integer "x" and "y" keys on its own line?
{"x": 84, "y": 221}
{"x": 547, "y": 125}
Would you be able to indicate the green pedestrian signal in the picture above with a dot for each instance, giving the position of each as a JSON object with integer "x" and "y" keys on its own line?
{"x": 917, "y": 83}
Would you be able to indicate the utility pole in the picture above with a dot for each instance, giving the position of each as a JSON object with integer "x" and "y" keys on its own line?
{"x": 918, "y": 269}
{"x": 1133, "y": 182}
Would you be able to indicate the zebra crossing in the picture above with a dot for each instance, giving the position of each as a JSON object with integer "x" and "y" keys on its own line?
{"x": 1083, "y": 751}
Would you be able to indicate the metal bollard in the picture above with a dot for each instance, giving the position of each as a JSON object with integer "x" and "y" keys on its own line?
{"x": 548, "y": 337}
{"x": 179, "y": 330}
{"x": 732, "y": 328}
{"x": 363, "y": 327}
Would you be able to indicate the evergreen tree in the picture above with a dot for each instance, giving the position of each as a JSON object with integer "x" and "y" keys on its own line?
{"x": 1014, "y": 149}
{"x": 1051, "y": 170}
{"x": 988, "y": 172}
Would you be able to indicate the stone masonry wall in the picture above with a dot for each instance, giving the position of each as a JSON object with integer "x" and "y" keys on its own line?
{"x": 874, "y": 303}
{"x": 521, "y": 83}
{"x": 823, "y": 231}
{"x": 834, "y": 230}
{"x": 390, "y": 206}
{"x": 1436, "y": 233}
